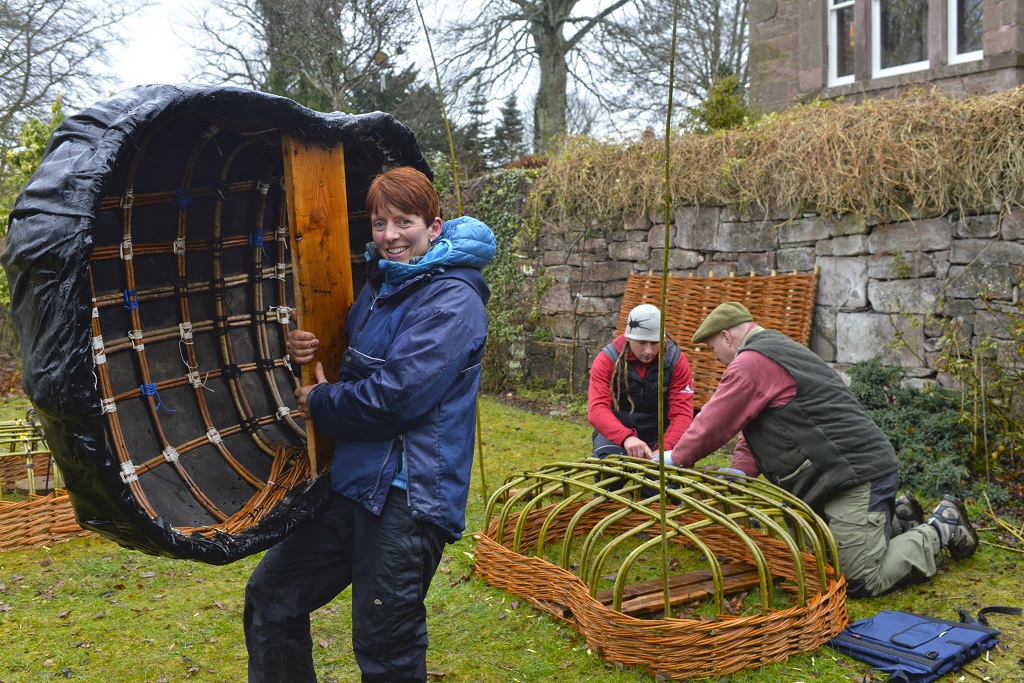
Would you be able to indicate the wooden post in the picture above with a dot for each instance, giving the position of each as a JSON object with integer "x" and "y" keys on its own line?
{"x": 321, "y": 263}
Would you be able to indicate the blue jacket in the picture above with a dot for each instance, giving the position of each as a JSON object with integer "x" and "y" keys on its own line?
{"x": 409, "y": 379}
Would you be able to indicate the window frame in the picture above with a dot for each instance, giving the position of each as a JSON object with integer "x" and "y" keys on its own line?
{"x": 834, "y": 7}
{"x": 952, "y": 24}
{"x": 876, "y": 48}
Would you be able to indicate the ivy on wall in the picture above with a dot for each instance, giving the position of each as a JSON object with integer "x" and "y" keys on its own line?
{"x": 498, "y": 201}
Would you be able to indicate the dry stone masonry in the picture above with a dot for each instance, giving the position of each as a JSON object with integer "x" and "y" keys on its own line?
{"x": 885, "y": 288}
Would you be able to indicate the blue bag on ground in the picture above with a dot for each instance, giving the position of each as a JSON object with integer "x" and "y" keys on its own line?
{"x": 914, "y": 648}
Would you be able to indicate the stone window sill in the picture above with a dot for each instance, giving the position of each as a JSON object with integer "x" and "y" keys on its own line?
{"x": 921, "y": 78}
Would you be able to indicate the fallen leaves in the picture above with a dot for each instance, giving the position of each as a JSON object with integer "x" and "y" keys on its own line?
{"x": 459, "y": 579}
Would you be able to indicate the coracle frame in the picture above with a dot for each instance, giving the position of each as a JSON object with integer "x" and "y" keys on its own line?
{"x": 152, "y": 261}
{"x": 590, "y": 513}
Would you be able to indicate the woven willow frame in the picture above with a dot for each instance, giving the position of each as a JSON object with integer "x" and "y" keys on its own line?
{"x": 779, "y": 302}
{"x": 40, "y": 520}
{"x": 288, "y": 465}
{"x": 607, "y": 506}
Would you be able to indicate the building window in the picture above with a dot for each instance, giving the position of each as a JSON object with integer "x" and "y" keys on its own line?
{"x": 840, "y": 40}
{"x": 899, "y": 42}
{"x": 964, "y": 30}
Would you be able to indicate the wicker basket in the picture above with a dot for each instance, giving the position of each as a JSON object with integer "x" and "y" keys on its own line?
{"x": 554, "y": 534}
{"x": 38, "y": 522}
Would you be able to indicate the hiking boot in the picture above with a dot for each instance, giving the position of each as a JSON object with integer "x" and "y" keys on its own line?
{"x": 949, "y": 519}
{"x": 909, "y": 512}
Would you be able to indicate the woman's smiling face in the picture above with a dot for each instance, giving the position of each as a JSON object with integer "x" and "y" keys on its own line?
{"x": 400, "y": 236}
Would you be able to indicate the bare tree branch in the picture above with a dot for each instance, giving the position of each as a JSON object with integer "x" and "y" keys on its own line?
{"x": 712, "y": 41}
{"x": 316, "y": 51}
{"x": 507, "y": 38}
{"x": 606, "y": 63}
{"x": 50, "y": 48}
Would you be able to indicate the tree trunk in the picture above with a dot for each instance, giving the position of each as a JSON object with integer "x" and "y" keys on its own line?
{"x": 550, "y": 104}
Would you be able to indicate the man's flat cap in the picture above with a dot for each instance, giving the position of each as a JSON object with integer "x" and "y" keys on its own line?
{"x": 727, "y": 315}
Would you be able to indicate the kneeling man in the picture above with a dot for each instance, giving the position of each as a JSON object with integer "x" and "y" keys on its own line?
{"x": 800, "y": 426}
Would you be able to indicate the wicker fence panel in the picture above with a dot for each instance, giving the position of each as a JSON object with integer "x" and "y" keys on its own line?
{"x": 38, "y": 522}
{"x": 779, "y": 302}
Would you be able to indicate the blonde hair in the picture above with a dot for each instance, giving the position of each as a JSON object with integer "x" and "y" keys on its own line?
{"x": 620, "y": 376}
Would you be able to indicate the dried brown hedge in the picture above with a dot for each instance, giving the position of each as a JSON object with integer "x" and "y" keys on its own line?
{"x": 923, "y": 150}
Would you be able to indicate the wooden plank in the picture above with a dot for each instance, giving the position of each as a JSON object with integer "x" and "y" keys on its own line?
{"x": 649, "y": 596}
{"x": 701, "y": 591}
{"x": 321, "y": 263}
{"x": 655, "y": 586}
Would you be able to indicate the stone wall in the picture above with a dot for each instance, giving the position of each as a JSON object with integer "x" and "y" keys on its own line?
{"x": 888, "y": 289}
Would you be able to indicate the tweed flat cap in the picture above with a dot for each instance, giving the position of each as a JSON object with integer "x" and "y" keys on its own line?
{"x": 727, "y": 315}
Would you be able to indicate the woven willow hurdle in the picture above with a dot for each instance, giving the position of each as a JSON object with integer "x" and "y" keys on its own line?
{"x": 779, "y": 302}
{"x": 25, "y": 456}
{"x": 577, "y": 540}
{"x": 40, "y": 520}
{"x": 37, "y": 522}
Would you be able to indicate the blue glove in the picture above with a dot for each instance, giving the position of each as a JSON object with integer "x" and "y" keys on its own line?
{"x": 730, "y": 473}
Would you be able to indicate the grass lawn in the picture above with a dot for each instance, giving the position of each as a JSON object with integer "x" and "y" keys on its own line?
{"x": 88, "y": 610}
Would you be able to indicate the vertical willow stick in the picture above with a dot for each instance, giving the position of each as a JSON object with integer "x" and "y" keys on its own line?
{"x": 444, "y": 113}
{"x": 664, "y": 297}
{"x": 458, "y": 208}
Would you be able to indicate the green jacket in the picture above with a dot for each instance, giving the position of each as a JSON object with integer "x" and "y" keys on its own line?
{"x": 821, "y": 442}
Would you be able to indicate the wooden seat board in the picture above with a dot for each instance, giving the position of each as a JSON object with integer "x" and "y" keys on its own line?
{"x": 649, "y": 596}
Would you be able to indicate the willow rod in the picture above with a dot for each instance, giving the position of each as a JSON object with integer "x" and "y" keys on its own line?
{"x": 444, "y": 112}
{"x": 458, "y": 207}
{"x": 664, "y": 301}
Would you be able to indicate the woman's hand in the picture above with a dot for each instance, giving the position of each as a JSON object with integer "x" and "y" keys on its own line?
{"x": 301, "y": 346}
{"x": 636, "y": 448}
{"x": 303, "y": 392}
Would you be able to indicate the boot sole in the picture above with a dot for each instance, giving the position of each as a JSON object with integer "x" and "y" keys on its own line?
{"x": 958, "y": 504}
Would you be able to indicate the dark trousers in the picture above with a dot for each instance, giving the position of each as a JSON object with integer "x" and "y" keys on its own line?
{"x": 389, "y": 562}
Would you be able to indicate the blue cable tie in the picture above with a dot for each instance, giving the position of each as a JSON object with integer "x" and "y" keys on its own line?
{"x": 131, "y": 299}
{"x": 183, "y": 198}
{"x": 150, "y": 390}
{"x": 256, "y": 241}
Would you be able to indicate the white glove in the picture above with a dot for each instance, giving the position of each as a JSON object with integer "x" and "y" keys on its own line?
{"x": 665, "y": 457}
{"x": 730, "y": 472}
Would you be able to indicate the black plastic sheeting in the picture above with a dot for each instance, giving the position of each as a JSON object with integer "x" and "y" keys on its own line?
{"x": 47, "y": 258}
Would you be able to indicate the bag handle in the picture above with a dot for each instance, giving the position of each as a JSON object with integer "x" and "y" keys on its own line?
{"x": 966, "y": 618}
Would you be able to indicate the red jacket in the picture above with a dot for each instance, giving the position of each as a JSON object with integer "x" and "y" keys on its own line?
{"x": 599, "y": 396}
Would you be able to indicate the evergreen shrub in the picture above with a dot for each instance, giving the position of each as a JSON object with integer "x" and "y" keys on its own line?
{"x": 932, "y": 442}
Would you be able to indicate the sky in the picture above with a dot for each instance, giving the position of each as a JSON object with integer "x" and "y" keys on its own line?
{"x": 154, "y": 47}
{"x": 151, "y": 51}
